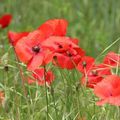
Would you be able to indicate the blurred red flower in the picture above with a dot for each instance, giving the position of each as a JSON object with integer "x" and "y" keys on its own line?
{"x": 5, "y": 20}
{"x": 108, "y": 90}
{"x": 112, "y": 59}
{"x": 40, "y": 76}
{"x": 95, "y": 75}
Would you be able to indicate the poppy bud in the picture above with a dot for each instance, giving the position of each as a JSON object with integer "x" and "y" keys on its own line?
{"x": 6, "y": 68}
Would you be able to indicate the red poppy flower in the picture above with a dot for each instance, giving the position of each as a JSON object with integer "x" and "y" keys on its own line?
{"x": 85, "y": 64}
{"x": 5, "y": 20}
{"x": 59, "y": 44}
{"x": 29, "y": 50}
{"x": 15, "y": 37}
{"x": 68, "y": 59}
{"x": 41, "y": 76}
{"x": 66, "y": 52}
{"x": 90, "y": 81}
{"x": 108, "y": 90}
{"x": 55, "y": 27}
{"x": 95, "y": 75}
{"x": 26, "y": 47}
{"x": 112, "y": 59}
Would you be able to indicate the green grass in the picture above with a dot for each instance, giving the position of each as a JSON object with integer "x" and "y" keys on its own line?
{"x": 95, "y": 22}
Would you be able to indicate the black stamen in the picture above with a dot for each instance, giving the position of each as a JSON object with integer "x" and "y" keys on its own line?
{"x": 36, "y": 49}
{"x": 60, "y": 46}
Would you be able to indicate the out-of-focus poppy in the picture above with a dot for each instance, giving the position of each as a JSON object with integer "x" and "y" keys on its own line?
{"x": 5, "y": 20}
{"x": 112, "y": 59}
{"x": 95, "y": 75}
{"x": 108, "y": 90}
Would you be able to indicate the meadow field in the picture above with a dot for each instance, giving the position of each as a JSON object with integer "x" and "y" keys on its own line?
{"x": 96, "y": 25}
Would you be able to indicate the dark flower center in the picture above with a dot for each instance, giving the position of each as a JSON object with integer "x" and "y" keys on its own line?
{"x": 36, "y": 49}
{"x": 84, "y": 63}
{"x": 60, "y": 46}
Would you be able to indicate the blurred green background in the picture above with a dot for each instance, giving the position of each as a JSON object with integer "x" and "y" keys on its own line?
{"x": 95, "y": 22}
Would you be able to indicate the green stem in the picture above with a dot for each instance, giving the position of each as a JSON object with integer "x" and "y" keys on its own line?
{"x": 53, "y": 97}
{"x": 46, "y": 93}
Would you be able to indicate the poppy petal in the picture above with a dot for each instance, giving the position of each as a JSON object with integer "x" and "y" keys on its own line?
{"x": 23, "y": 51}
{"x": 15, "y": 37}
{"x": 35, "y": 62}
{"x": 55, "y": 27}
{"x": 68, "y": 63}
